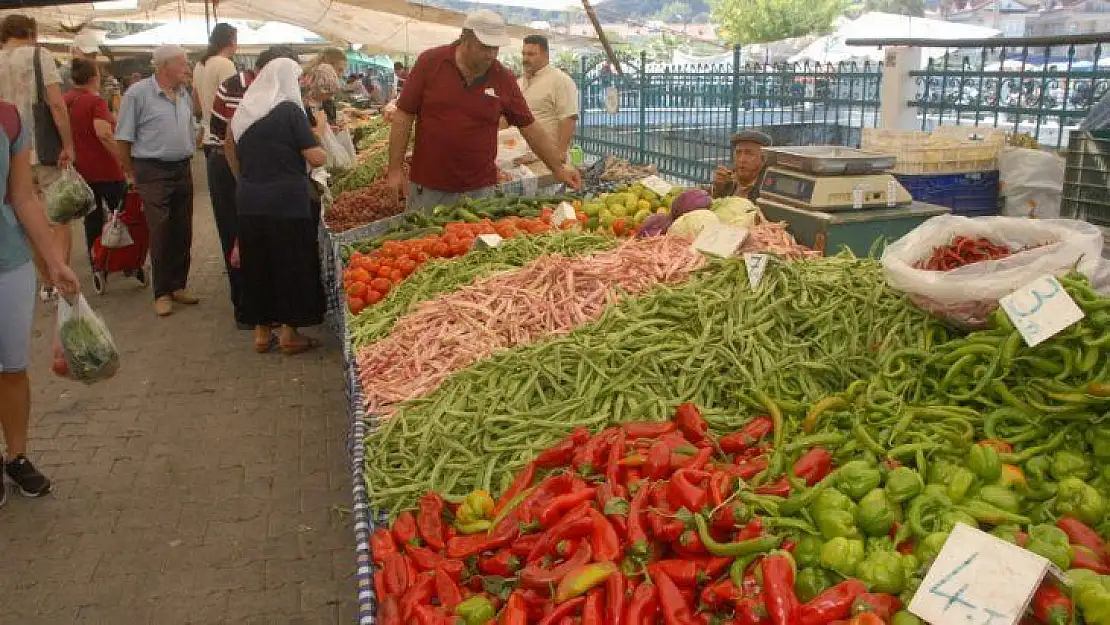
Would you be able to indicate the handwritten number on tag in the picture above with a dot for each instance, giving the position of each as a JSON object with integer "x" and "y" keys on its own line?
{"x": 958, "y": 597}
{"x": 1041, "y": 299}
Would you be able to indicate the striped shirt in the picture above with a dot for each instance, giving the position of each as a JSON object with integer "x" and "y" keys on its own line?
{"x": 228, "y": 96}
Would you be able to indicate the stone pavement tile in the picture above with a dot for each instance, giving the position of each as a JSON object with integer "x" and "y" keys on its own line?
{"x": 202, "y": 484}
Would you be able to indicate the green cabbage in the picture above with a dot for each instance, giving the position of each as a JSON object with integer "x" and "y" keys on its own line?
{"x": 692, "y": 223}
{"x": 735, "y": 211}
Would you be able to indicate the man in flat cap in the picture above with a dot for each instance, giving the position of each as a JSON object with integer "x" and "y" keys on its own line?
{"x": 747, "y": 166}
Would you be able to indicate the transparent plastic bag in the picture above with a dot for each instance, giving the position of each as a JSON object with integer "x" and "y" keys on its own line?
{"x": 339, "y": 156}
{"x": 69, "y": 197}
{"x": 86, "y": 345}
{"x": 1031, "y": 183}
{"x": 115, "y": 233}
{"x": 967, "y": 295}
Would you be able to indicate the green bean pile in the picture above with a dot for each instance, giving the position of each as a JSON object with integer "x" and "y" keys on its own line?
{"x": 443, "y": 276}
{"x": 811, "y": 329}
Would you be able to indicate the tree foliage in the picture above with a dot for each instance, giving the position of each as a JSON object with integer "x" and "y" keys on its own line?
{"x": 916, "y": 8}
{"x": 675, "y": 12}
{"x": 760, "y": 21}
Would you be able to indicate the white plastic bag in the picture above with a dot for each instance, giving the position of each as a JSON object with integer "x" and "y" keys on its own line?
{"x": 115, "y": 233}
{"x": 86, "y": 344}
{"x": 68, "y": 198}
{"x": 1031, "y": 183}
{"x": 967, "y": 295}
{"x": 511, "y": 149}
{"x": 339, "y": 156}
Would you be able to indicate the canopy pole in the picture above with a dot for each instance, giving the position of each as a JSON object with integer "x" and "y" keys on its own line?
{"x": 604, "y": 40}
{"x": 207, "y": 19}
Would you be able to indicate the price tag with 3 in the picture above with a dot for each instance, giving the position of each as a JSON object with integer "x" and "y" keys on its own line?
{"x": 978, "y": 579}
{"x": 1041, "y": 310}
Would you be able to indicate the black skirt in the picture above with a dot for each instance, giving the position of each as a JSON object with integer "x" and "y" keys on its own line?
{"x": 280, "y": 272}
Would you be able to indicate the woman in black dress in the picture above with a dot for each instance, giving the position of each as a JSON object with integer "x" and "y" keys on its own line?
{"x": 271, "y": 147}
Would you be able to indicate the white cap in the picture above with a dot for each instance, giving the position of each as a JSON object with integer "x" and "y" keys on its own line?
{"x": 489, "y": 27}
{"x": 86, "y": 42}
{"x": 165, "y": 53}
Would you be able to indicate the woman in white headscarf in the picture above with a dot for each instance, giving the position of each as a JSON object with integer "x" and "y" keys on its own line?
{"x": 270, "y": 149}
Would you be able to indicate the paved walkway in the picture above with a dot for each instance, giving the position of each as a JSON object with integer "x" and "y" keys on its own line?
{"x": 203, "y": 484}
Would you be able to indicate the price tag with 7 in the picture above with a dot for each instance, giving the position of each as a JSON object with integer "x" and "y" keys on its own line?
{"x": 1041, "y": 310}
{"x": 978, "y": 579}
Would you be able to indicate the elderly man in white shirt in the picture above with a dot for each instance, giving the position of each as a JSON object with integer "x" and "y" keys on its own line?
{"x": 550, "y": 93}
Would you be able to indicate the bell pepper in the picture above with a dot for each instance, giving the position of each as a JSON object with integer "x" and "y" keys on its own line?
{"x": 883, "y": 572}
{"x": 404, "y": 529}
{"x": 535, "y": 576}
{"x": 683, "y": 491}
{"x": 832, "y": 604}
{"x": 1040, "y": 484}
{"x": 778, "y": 588}
{"x": 477, "y": 506}
{"x": 834, "y": 514}
{"x": 903, "y": 483}
{"x": 671, "y": 602}
{"x": 876, "y": 514}
{"x": 1000, "y": 497}
{"x": 1013, "y": 477}
{"x": 985, "y": 463}
{"x": 1080, "y": 534}
{"x": 502, "y": 563}
{"x": 881, "y": 605}
{"x": 1010, "y": 533}
{"x": 905, "y": 618}
{"x": 810, "y": 583}
{"x": 842, "y": 555}
{"x": 813, "y": 465}
{"x": 807, "y": 552}
{"x": 751, "y": 434}
{"x": 382, "y": 545}
{"x": 561, "y": 454}
{"x": 1098, "y": 438}
{"x": 1067, "y": 464}
{"x": 1077, "y": 499}
{"x": 690, "y": 422}
{"x": 581, "y": 580}
{"x": 1092, "y": 598}
{"x": 857, "y": 478}
{"x": 476, "y": 610}
{"x": 1051, "y": 606}
{"x": 960, "y": 483}
{"x": 928, "y": 547}
{"x": 1050, "y": 542}
{"x": 554, "y": 511}
{"x": 733, "y": 550}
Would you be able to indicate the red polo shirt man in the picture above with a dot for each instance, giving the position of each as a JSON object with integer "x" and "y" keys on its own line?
{"x": 456, "y": 96}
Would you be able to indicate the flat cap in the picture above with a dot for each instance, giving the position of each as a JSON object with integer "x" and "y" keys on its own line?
{"x": 167, "y": 52}
{"x": 754, "y": 136}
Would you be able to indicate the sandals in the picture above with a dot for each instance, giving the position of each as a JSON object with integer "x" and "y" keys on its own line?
{"x": 300, "y": 346}
{"x": 263, "y": 345}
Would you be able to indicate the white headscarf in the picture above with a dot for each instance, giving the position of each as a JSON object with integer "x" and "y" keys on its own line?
{"x": 277, "y": 83}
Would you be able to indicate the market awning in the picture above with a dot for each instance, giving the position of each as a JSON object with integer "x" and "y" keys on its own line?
{"x": 380, "y": 25}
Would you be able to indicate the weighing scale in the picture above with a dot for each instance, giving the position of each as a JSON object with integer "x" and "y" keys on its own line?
{"x": 833, "y": 197}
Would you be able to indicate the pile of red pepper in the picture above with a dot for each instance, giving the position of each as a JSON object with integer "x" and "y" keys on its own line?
{"x": 963, "y": 251}
{"x": 635, "y": 525}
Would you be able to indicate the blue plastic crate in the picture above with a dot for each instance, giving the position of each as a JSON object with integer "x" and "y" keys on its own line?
{"x": 971, "y": 194}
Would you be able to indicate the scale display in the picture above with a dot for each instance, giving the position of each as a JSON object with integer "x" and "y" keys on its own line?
{"x": 781, "y": 184}
{"x": 832, "y": 192}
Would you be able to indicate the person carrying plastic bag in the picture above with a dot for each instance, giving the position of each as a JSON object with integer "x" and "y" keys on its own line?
{"x": 69, "y": 197}
{"x": 965, "y": 296}
{"x": 86, "y": 347}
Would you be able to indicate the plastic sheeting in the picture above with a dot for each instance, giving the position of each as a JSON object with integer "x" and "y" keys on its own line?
{"x": 194, "y": 33}
{"x": 380, "y": 25}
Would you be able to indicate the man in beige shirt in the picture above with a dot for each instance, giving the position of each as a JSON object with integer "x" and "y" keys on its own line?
{"x": 550, "y": 93}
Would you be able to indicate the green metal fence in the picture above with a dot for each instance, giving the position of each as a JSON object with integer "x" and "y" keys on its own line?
{"x": 1043, "y": 87}
{"x": 681, "y": 117}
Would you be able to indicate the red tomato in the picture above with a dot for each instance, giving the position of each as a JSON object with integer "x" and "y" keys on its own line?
{"x": 440, "y": 250}
{"x": 381, "y": 284}
{"x": 422, "y": 258}
{"x": 357, "y": 289}
{"x": 373, "y": 297}
{"x": 397, "y": 276}
{"x": 384, "y": 271}
{"x": 359, "y": 275}
{"x": 355, "y": 304}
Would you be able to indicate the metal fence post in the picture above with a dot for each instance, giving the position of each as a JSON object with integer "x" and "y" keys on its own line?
{"x": 643, "y": 108}
{"x": 580, "y": 127}
{"x": 734, "y": 101}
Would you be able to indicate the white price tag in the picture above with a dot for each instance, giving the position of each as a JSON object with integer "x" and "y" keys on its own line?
{"x": 720, "y": 240}
{"x": 757, "y": 264}
{"x": 657, "y": 184}
{"x": 563, "y": 212}
{"x": 612, "y": 100}
{"x": 483, "y": 241}
{"x": 1041, "y": 310}
{"x": 979, "y": 580}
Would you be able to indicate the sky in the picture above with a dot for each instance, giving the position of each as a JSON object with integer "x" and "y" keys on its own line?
{"x": 550, "y": 5}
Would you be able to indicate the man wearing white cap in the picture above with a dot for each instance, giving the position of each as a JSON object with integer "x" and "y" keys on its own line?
{"x": 456, "y": 95}
{"x": 86, "y": 45}
{"x": 157, "y": 138}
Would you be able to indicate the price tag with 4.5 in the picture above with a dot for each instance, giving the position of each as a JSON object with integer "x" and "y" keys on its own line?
{"x": 657, "y": 184}
{"x": 1041, "y": 309}
{"x": 720, "y": 240}
{"x": 757, "y": 265}
{"x": 978, "y": 579}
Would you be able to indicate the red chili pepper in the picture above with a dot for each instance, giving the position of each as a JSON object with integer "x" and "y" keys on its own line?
{"x": 644, "y": 604}
{"x": 638, "y": 544}
{"x": 788, "y": 545}
{"x": 429, "y": 520}
{"x": 616, "y": 452}
{"x": 665, "y": 529}
{"x": 1084, "y": 558}
{"x": 562, "y": 452}
{"x": 1051, "y": 605}
{"x": 682, "y": 492}
{"x": 615, "y": 587}
{"x": 658, "y": 465}
{"x": 690, "y": 422}
{"x": 461, "y": 547}
{"x": 425, "y": 559}
{"x": 747, "y": 469}
{"x": 604, "y": 540}
{"x": 382, "y": 545}
{"x": 563, "y": 504}
{"x": 832, "y": 604}
{"x": 688, "y": 572}
{"x": 389, "y": 611}
{"x": 523, "y": 545}
{"x": 567, "y": 548}
{"x": 814, "y": 465}
{"x": 420, "y": 593}
{"x": 720, "y": 594}
{"x": 754, "y": 529}
{"x": 751, "y": 611}
{"x": 756, "y": 430}
{"x": 778, "y": 588}
{"x": 675, "y": 609}
{"x": 591, "y": 457}
{"x": 646, "y": 429}
{"x": 404, "y": 529}
{"x": 575, "y": 524}
{"x": 883, "y": 606}
{"x": 778, "y": 488}
{"x": 563, "y": 610}
{"x": 446, "y": 589}
{"x": 632, "y": 478}
{"x": 593, "y": 611}
{"x": 696, "y": 462}
{"x": 520, "y": 484}
{"x": 1079, "y": 533}
{"x": 397, "y": 579}
{"x": 533, "y": 576}
{"x": 515, "y": 611}
{"x": 502, "y": 564}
